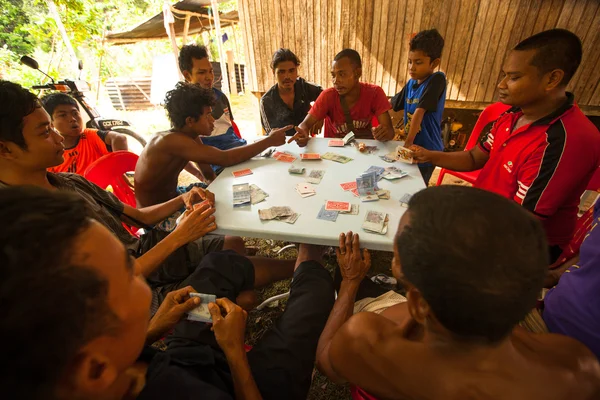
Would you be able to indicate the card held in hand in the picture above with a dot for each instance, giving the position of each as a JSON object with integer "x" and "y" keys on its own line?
{"x": 201, "y": 313}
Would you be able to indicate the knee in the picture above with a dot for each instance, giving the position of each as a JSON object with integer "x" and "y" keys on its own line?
{"x": 236, "y": 244}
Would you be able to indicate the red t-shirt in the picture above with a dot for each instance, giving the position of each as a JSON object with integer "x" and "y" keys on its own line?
{"x": 89, "y": 148}
{"x": 372, "y": 102}
{"x": 544, "y": 166}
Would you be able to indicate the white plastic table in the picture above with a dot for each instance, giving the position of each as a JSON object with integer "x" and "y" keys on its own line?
{"x": 272, "y": 176}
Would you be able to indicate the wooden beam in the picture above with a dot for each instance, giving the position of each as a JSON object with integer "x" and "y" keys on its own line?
{"x": 224, "y": 80}
{"x": 186, "y": 29}
{"x": 195, "y": 14}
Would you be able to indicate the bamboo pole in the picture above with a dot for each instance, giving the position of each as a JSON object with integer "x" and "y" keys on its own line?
{"x": 224, "y": 80}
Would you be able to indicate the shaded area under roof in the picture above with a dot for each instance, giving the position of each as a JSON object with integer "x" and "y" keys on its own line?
{"x": 154, "y": 29}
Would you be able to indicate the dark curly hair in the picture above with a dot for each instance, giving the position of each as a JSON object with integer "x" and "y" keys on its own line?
{"x": 16, "y": 103}
{"x": 53, "y": 100}
{"x": 187, "y": 55}
{"x": 429, "y": 42}
{"x": 282, "y": 55}
{"x": 187, "y": 100}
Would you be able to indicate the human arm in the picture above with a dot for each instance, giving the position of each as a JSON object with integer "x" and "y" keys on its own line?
{"x": 384, "y": 131}
{"x": 189, "y": 149}
{"x": 229, "y": 328}
{"x": 195, "y": 224}
{"x": 170, "y": 312}
{"x": 429, "y": 101}
{"x": 265, "y": 107}
{"x": 192, "y": 169}
{"x": 553, "y": 275}
{"x": 415, "y": 126}
{"x": 354, "y": 265}
{"x": 116, "y": 140}
{"x": 302, "y": 131}
{"x": 471, "y": 160}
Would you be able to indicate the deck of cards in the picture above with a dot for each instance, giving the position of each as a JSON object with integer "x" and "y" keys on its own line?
{"x": 295, "y": 170}
{"x": 327, "y": 215}
{"x": 241, "y": 195}
{"x": 242, "y": 172}
{"x": 284, "y": 156}
{"x": 305, "y": 190}
{"x": 310, "y": 156}
{"x": 336, "y": 143}
{"x": 201, "y": 313}
{"x": 348, "y": 186}
{"x": 315, "y": 176}
{"x": 341, "y": 206}
{"x": 366, "y": 186}
{"x": 376, "y": 222}
{"x": 348, "y": 138}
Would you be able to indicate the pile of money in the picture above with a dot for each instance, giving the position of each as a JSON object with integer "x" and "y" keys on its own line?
{"x": 392, "y": 173}
{"x": 315, "y": 176}
{"x": 366, "y": 186}
{"x": 376, "y": 222}
{"x": 348, "y": 138}
{"x": 201, "y": 313}
{"x": 241, "y": 195}
{"x": 305, "y": 190}
{"x": 285, "y": 214}
{"x": 295, "y": 170}
{"x": 353, "y": 210}
{"x": 336, "y": 157}
{"x": 257, "y": 194}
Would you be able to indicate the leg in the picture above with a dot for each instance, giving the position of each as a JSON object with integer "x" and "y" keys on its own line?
{"x": 283, "y": 360}
{"x": 269, "y": 270}
{"x": 235, "y": 243}
{"x": 426, "y": 172}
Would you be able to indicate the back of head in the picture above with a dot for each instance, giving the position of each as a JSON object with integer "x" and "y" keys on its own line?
{"x": 283, "y": 55}
{"x": 430, "y": 42}
{"x": 187, "y": 100}
{"x": 478, "y": 259}
{"x": 554, "y": 49}
{"x": 187, "y": 55}
{"x": 16, "y": 103}
{"x": 352, "y": 55}
{"x": 53, "y": 100}
{"x": 50, "y": 307}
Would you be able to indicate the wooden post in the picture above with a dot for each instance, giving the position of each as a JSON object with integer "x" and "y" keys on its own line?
{"x": 63, "y": 33}
{"x": 231, "y": 71}
{"x": 186, "y": 29}
{"x": 224, "y": 80}
{"x": 237, "y": 50}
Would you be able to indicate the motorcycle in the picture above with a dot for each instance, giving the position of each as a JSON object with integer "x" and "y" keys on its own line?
{"x": 77, "y": 90}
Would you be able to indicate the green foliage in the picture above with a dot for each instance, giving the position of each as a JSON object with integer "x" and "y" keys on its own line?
{"x": 14, "y": 21}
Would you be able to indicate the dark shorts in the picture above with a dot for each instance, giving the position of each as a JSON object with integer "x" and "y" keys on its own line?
{"x": 283, "y": 359}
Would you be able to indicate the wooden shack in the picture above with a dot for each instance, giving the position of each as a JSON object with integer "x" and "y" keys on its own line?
{"x": 478, "y": 35}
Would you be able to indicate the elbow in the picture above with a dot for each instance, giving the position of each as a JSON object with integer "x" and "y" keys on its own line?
{"x": 119, "y": 142}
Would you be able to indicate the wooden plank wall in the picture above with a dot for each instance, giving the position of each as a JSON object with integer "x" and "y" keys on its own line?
{"x": 478, "y": 35}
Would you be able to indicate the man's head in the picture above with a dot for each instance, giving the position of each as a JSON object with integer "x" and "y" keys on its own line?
{"x": 285, "y": 67}
{"x": 473, "y": 262}
{"x": 346, "y": 71}
{"x": 27, "y": 140}
{"x": 189, "y": 108}
{"x": 538, "y": 66}
{"x": 424, "y": 53}
{"x": 64, "y": 112}
{"x": 195, "y": 66}
{"x": 74, "y": 315}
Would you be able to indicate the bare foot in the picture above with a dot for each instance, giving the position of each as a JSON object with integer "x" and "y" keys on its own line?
{"x": 310, "y": 252}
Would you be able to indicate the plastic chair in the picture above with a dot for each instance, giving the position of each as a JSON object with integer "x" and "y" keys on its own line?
{"x": 491, "y": 113}
{"x": 236, "y": 130}
{"x": 110, "y": 170}
{"x": 359, "y": 394}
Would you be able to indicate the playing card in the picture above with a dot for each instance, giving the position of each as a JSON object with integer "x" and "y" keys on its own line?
{"x": 241, "y": 195}
{"x": 383, "y": 194}
{"x": 242, "y": 172}
{"x": 201, "y": 313}
{"x": 378, "y": 170}
{"x": 404, "y": 154}
{"x": 327, "y": 215}
{"x": 392, "y": 173}
{"x": 366, "y": 187}
{"x": 286, "y": 158}
{"x": 337, "y": 206}
{"x": 354, "y": 192}
{"x": 315, "y": 176}
{"x": 349, "y": 137}
{"x": 348, "y": 185}
{"x": 310, "y": 156}
{"x": 336, "y": 143}
{"x": 405, "y": 199}
{"x": 374, "y": 221}
{"x": 303, "y": 188}
{"x": 277, "y": 154}
{"x": 296, "y": 170}
{"x": 353, "y": 210}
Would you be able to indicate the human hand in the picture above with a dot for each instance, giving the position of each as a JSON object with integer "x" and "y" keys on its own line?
{"x": 381, "y": 133}
{"x": 420, "y": 155}
{"x": 301, "y": 137}
{"x": 196, "y": 223}
{"x": 170, "y": 312}
{"x": 277, "y": 136}
{"x": 408, "y": 143}
{"x": 353, "y": 265}
{"x": 197, "y": 195}
{"x": 229, "y": 327}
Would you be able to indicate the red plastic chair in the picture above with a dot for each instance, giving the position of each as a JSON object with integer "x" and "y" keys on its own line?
{"x": 491, "y": 113}
{"x": 110, "y": 170}
{"x": 236, "y": 130}
{"x": 359, "y": 394}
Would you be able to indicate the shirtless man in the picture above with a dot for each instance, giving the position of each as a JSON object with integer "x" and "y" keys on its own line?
{"x": 189, "y": 110}
{"x": 456, "y": 336}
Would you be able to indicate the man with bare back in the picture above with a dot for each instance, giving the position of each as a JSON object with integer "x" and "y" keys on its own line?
{"x": 455, "y": 336}
{"x": 168, "y": 153}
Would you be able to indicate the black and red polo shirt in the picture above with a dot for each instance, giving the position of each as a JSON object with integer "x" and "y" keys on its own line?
{"x": 544, "y": 166}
